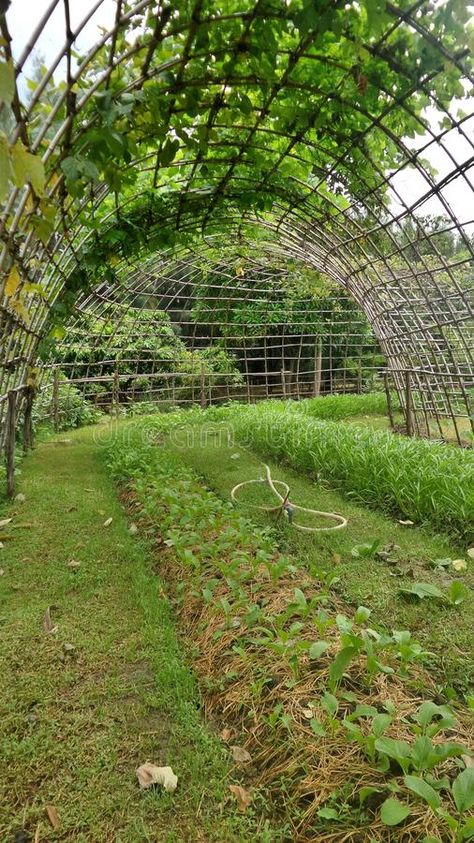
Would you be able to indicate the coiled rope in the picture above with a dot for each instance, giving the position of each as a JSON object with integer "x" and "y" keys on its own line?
{"x": 287, "y": 507}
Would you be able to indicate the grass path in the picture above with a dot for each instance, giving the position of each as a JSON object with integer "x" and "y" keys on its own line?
{"x": 441, "y": 628}
{"x": 75, "y": 723}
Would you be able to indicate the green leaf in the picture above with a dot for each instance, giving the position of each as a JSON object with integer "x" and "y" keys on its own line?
{"x": 328, "y": 814}
{"x": 4, "y": 165}
{"x": 393, "y": 812}
{"x": 27, "y": 168}
{"x": 457, "y": 593}
{"x": 367, "y": 791}
{"x": 421, "y": 590}
{"x": 317, "y": 649}
{"x": 463, "y": 790}
{"x": 400, "y": 751}
{"x": 317, "y": 727}
{"x": 12, "y": 282}
{"x": 362, "y": 614}
{"x": 329, "y": 704}
{"x": 7, "y": 82}
{"x": 423, "y": 789}
{"x": 340, "y": 663}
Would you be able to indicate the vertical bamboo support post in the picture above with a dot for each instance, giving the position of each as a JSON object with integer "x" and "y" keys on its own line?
{"x": 283, "y": 382}
{"x": 115, "y": 393}
{"x": 203, "y": 387}
{"x": 359, "y": 377}
{"x": 55, "y": 401}
{"x": 10, "y": 443}
{"x": 408, "y": 404}
{"x": 318, "y": 360}
{"x": 389, "y": 401}
{"x": 28, "y": 420}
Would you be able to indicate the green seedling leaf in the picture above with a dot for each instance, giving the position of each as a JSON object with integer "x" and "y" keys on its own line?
{"x": 329, "y": 704}
{"x": 400, "y": 751}
{"x": 365, "y": 792}
{"x": 366, "y": 550}
{"x": 421, "y": 590}
{"x": 317, "y": 649}
{"x": 362, "y": 614}
{"x": 328, "y": 814}
{"x": 393, "y": 812}
{"x": 463, "y": 790}
{"x": 317, "y": 727}
{"x": 467, "y": 830}
{"x": 342, "y": 660}
{"x": 457, "y": 593}
{"x": 423, "y": 789}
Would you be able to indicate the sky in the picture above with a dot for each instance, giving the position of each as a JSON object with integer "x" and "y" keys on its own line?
{"x": 24, "y": 15}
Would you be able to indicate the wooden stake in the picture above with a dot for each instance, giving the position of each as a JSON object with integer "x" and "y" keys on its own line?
{"x": 27, "y": 419}
{"x": 10, "y": 443}
{"x": 55, "y": 400}
{"x": 115, "y": 392}
{"x": 318, "y": 361}
{"x": 203, "y": 387}
{"x": 408, "y": 404}
{"x": 389, "y": 401}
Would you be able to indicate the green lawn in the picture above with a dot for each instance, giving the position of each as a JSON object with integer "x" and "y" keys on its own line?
{"x": 75, "y": 723}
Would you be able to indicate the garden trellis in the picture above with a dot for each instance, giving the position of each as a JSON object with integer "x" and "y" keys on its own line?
{"x": 252, "y": 141}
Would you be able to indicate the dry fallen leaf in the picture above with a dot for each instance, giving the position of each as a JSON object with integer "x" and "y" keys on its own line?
{"x": 149, "y": 774}
{"x": 133, "y": 529}
{"x": 243, "y": 796}
{"x": 20, "y": 498}
{"x": 470, "y": 552}
{"x": 1, "y": 572}
{"x": 108, "y": 522}
{"x": 5, "y": 521}
{"x": 73, "y": 564}
{"x": 407, "y": 523}
{"x": 459, "y": 564}
{"x": 48, "y": 625}
{"x": 226, "y": 735}
{"x": 308, "y": 713}
{"x": 240, "y": 755}
{"x": 53, "y": 815}
{"x": 468, "y": 760}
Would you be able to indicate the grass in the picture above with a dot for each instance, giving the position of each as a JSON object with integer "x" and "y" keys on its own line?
{"x": 76, "y": 723}
{"x": 441, "y": 628}
{"x": 338, "y": 407}
{"x": 426, "y": 482}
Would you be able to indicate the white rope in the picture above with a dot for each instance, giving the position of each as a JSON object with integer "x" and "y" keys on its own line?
{"x": 285, "y": 505}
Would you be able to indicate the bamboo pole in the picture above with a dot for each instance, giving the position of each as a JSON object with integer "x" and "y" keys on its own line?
{"x": 203, "y": 387}
{"x": 115, "y": 392}
{"x": 318, "y": 360}
{"x": 10, "y": 428}
{"x": 389, "y": 401}
{"x": 27, "y": 419}
{"x": 408, "y": 404}
{"x": 55, "y": 400}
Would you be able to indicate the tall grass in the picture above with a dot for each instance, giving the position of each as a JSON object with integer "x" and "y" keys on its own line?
{"x": 337, "y": 407}
{"x": 426, "y": 482}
